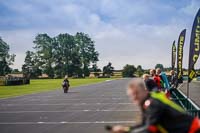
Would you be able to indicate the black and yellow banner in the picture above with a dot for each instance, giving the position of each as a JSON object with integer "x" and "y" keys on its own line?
{"x": 194, "y": 47}
{"x": 181, "y": 41}
{"x": 173, "y": 55}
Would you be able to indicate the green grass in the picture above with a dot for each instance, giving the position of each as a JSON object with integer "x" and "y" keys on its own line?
{"x": 42, "y": 85}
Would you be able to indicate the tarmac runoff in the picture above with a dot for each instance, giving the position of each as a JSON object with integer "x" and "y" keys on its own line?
{"x": 194, "y": 91}
{"x": 84, "y": 109}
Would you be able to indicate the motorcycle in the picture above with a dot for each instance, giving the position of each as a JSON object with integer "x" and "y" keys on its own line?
{"x": 65, "y": 86}
{"x": 65, "y": 89}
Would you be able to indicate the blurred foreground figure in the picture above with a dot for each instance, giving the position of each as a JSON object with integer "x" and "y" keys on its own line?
{"x": 65, "y": 85}
{"x": 159, "y": 114}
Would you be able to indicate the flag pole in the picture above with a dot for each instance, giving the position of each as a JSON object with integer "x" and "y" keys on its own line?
{"x": 188, "y": 83}
{"x": 187, "y": 91}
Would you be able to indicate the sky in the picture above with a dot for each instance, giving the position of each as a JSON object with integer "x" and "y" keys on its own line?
{"x": 138, "y": 32}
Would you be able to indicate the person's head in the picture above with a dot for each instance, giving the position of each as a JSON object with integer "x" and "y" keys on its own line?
{"x": 66, "y": 78}
{"x": 172, "y": 72}
{"x": 152, "y": 72}
{"x": 145, "y": 77}
{"x": 158, "y": 71}
{"x": 137, "y": 91}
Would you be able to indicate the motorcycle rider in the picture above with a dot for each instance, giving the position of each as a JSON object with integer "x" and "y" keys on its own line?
{"x": 159, "y": 114}
{"x": 65, "y": 85}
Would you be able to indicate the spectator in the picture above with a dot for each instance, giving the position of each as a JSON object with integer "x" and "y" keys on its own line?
{"x": 152, "y": 72}
{"x": 163, "y": 79}
{"x": 172, "y": 79}
{"x": 156, "y": 77}
{"x": 145, "y": 77}
{"x": 150, "y": 83}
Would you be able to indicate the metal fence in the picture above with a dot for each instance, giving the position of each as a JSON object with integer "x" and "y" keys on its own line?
{"x": 13, "y": 81}
{"x": 185, "y": 103}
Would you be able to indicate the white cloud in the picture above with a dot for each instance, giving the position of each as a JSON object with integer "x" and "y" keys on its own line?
{"x": 131, "y": 32}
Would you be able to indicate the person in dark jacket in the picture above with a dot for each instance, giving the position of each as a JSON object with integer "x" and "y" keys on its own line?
{"x": 151, "y": 85}
{"x": 172, "y": 79}
{"x": 159, "y": 114}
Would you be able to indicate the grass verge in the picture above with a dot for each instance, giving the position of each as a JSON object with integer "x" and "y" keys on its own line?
{"x": 42, "y": 85}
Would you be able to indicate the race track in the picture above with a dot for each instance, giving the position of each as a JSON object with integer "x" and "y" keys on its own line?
{"x": 194, "y": 91}
{"x": 84, "y": 109}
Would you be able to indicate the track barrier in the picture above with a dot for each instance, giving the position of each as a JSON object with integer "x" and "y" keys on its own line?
{"x": 186, "y": 103}
{"x": 13, "y": 81}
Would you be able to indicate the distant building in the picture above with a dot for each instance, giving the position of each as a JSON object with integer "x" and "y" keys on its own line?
{"x": 116, "y": 74}
{"x": 19, "y": 75}
{"x": 43, "y": 76}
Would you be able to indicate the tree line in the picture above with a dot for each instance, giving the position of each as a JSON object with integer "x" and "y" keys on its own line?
{"x": 64, "y": 54}
{"x": 61, "y": 55}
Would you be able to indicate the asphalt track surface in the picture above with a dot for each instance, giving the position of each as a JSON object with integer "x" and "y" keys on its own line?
{"x": 84, "y": 109}
{"x": 194, "y": 91}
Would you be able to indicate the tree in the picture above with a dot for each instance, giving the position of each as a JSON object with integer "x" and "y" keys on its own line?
{"x": 87, "y": 51}
{"x": 44, "y": 51}
{"x": 31, "y": 68}
{"x": 108, "y": 69}
{"x": 6, "y": 59}
{"x": 15, "y": 71}
{"x": 139, "y": 71}
{"x": 64, "y": 52}
{"x": 159, "y": 66}
{"x": 75, "y": 66}
{"x": 128, "y": 71}
{"x": 168, "y": 68}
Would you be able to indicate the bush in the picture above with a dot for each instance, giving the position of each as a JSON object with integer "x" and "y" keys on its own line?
{"x": 128, "y": 71}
